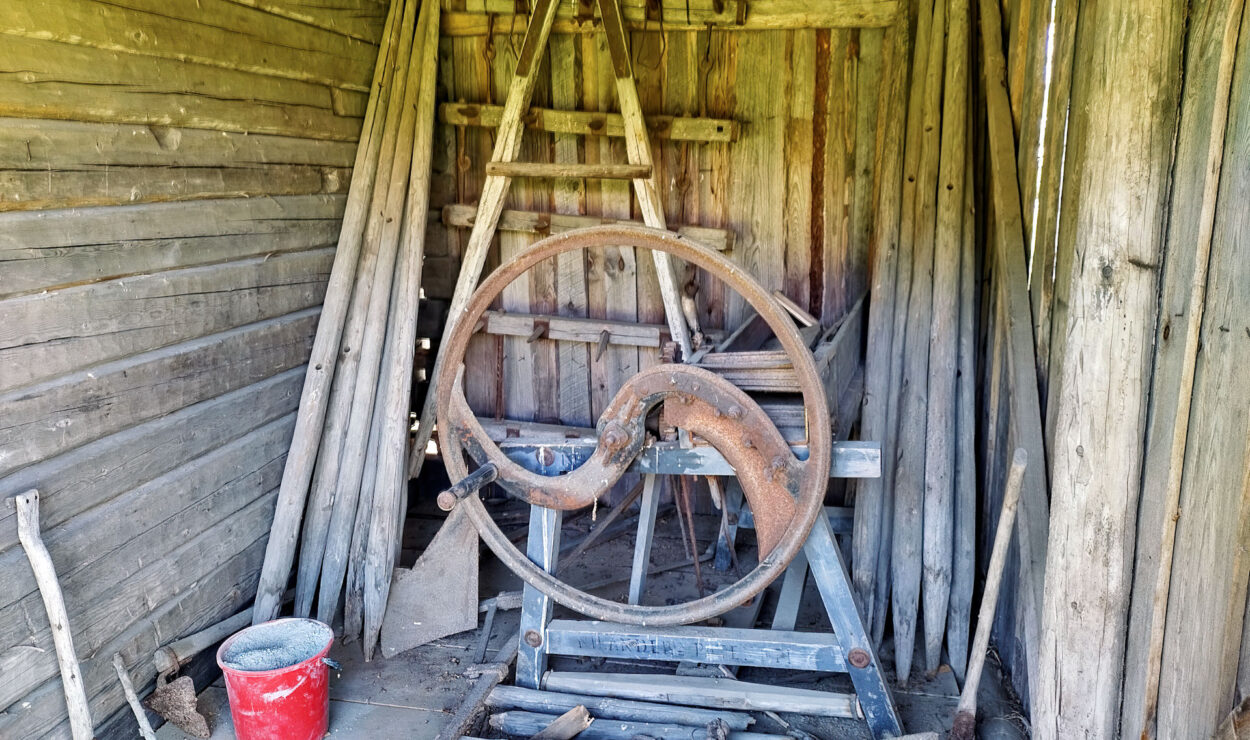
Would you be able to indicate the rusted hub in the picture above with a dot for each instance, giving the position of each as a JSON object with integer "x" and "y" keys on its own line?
{"x": 786, "y": 494}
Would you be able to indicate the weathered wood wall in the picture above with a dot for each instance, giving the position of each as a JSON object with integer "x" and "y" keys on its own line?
{"x": 795, "y": 189}
{"x": 1139, "y": 297}
{"x": 171, "y": 179}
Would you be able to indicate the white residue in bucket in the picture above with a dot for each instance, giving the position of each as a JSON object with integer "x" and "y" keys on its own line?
{"x": 274, "y": 645}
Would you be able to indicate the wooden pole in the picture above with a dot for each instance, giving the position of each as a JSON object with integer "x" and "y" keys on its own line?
{"x": 296, "y": 476}
{"x": 871, "y": 495}
{"x": 965, "y": 713}
{"x": 1193, "y": 327}
{"x": 58, "y": 619}
{"x": 325, "y": 474}
{"x": 490, "y": 203}
{"x": 128, "y": 688}
{"x": 909, "y": 476}
{"x": 391, "y": 482}
{"x": 902, "y": 297}
{"x": 963, "y": 574}
{"x": 1116, "y": 185}
{"x": 941, "y": 434}
{"x": 369, "y": 353}
{"x": 365, "y": 326}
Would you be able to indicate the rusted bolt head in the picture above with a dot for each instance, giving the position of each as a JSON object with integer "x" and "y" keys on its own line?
{"x": 734, "y": 412}
{"x": 858, "y": 657}
{"x": 446, "y": 501}
{"x": 747, "y": 442}
{"x": 533, "y": 639}
{"x": 546, "y": 456}
{"x": 778, "y": 463}
{"x": 614, "y": 436}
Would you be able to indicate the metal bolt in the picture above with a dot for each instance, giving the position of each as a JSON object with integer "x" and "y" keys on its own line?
{"x": 545, "y": 456}
{"x": 858, "y": 657}
{"x": 734, "y": 412}
{"x": 747, "y": 443}
{"x": 534, "y": 640}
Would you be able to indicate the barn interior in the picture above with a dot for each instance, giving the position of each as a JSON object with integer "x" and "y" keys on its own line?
{"x": 627, "y": 368}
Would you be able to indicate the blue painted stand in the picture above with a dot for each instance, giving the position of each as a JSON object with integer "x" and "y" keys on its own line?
{"x": 848, "y": 650}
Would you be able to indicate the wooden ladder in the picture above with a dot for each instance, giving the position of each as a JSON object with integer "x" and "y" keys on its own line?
{"x": 503, "y": 167}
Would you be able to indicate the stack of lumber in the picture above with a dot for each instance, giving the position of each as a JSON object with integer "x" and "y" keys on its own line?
{"x": 914, "y": 527}
{"x": 344, "y": 479}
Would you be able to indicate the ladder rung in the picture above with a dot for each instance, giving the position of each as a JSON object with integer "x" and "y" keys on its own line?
{"x": 555, "y": 169}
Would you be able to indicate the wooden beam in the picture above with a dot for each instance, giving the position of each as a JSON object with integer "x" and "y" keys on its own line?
{"x": 557, "y": 169}
{"x": 535, "y": 222}
{"x": 592, "y": 123}
{"x": 589, "y": 331}
{"x": 496, "y": 16}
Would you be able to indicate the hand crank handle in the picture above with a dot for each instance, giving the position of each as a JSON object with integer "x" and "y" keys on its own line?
{"x": 448, "y": 499}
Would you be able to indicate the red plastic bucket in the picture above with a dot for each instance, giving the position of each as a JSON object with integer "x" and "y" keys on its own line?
{"x": 277, "y": 680}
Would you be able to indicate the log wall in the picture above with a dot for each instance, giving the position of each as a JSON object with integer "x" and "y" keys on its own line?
{"x": 1138, "y": 288}
{"x": 172, "y": 176}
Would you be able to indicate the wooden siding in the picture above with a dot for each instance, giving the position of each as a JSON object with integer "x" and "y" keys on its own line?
{"x": 171, "y": 185}
{"x": 794, "y": 189}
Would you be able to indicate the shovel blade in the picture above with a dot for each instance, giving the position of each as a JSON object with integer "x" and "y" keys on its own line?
{"x": 438, "y": 596}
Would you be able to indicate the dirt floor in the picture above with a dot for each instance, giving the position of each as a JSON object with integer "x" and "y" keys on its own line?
{"x": 414, "y": 695}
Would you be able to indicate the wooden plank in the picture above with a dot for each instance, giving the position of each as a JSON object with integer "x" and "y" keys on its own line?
{"x": 555, "y": 169}
{"x": 755, "y": 203}
{"x": 1196, "y": 175}
{"x": 591, "y": 123}
{"x": 1206, "y": 606}
{"x": 210, "y": 32}
{"x": 799, "y": 651}
{"x": 55, "y": 333}
{"x": 588, "y": 331}
{"x": 543, "y": 547}
{"x": 860, "y": 218}
{"x": 32, "y": 144}
{"x": 39, "y": 421}
{"x": 218, "y": 594}
{"x": 515, "y": 697}
{"x": 837, "y": 261}
{"x": 1099, "y": 438}
{"x": 536, "y": 222}
{"x": 95, "y": 473}
{"x": 359, "y": 19}
{"x": 798, "y": 163}
{"x": 720, "y": 693}
{"x": 82, "y": 83}
{"x": 226, "y": 484}
{"x": 46, "y": 249}
{"x": 568, "y": 199}
{"x": 695, "y": 16}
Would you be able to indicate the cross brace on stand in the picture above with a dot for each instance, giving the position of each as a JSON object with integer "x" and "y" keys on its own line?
{"x": 848, "y": 650}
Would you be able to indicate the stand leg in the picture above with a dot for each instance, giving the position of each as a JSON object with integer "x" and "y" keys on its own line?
{"x": 829, "y": 570}
{"x": 791, "y": 593}
{"x": 543, "y": 548}
{"x": 733, "y": 510}
{"x": 646, "y": 532}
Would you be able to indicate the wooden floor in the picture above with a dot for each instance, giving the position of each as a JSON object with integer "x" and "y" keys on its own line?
{"x": 414, "y": 695}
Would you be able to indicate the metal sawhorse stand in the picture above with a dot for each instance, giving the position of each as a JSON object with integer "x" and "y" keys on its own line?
{"x": 848, "y": 650}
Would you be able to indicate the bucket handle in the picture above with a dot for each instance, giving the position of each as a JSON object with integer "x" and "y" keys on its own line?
{"x": 333, "y": 663}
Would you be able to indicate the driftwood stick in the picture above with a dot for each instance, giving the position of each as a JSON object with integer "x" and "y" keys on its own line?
{"x": 965, "y": 714}
{"x": 391, "y": 483}
{"x": 910, "y": 451}
{"x": 296, "y": 476}
{"x": 128, "y": 688}
{"x": 941, "y": 434}
{"x": 54, "y": 604}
